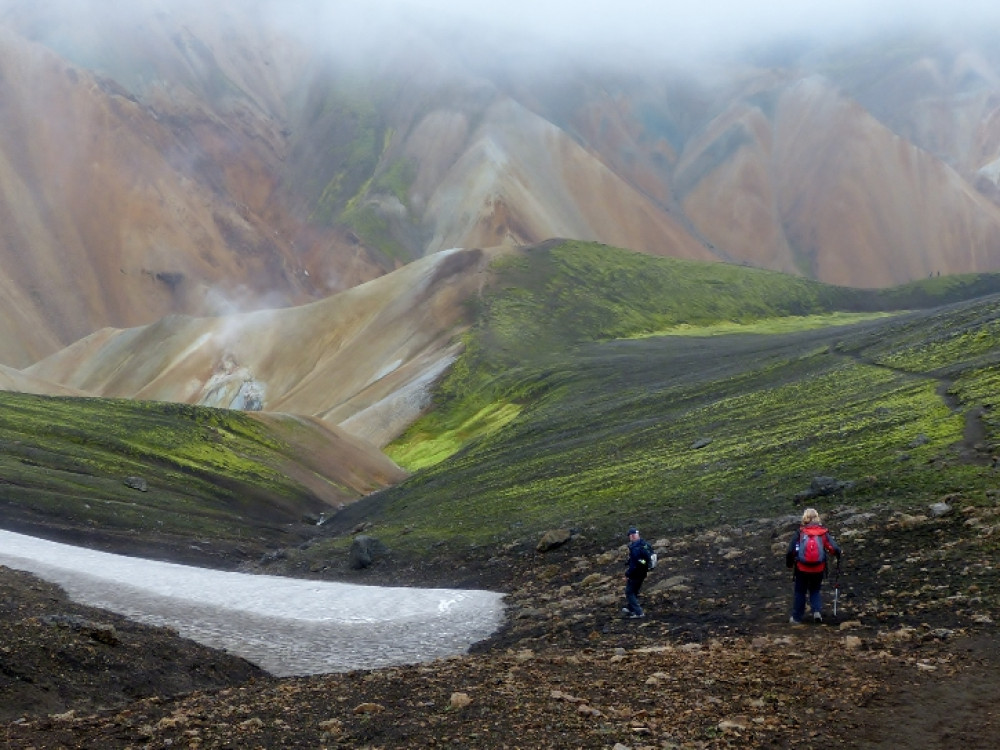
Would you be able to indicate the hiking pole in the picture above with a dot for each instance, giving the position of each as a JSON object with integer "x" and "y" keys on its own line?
{"x": 836, "y": 587}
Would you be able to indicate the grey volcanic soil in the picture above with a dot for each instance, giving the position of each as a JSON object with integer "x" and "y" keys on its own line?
{"x": 911, "y": 661}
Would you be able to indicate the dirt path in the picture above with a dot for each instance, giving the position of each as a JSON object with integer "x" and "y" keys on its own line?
{"x": 912, "y": 660}
{"x": 918, "y": 620}
{"x": 959, "y": 711}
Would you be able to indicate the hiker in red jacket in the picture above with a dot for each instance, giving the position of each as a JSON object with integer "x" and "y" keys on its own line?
{"x": 807, "y": 553}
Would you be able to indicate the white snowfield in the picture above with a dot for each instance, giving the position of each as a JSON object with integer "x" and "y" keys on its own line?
{"x": 287, "y": 626}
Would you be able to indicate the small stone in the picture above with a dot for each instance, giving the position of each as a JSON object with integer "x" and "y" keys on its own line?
{"x": 734, "y": 724}
{"x": 940, "y": 509}
{"x": 137, "y": 483}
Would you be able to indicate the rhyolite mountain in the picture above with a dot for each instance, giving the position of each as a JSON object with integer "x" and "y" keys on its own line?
{"x": 334, "y": 219}
{"x": 175, "y": 157}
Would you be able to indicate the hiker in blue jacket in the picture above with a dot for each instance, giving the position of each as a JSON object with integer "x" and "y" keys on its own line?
{"x": 808, "y": 552}
{"x": 635, "y": 573}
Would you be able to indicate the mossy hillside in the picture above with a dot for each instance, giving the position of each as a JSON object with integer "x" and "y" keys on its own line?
{"x": 652, "y": 444}
{"x": 786, "y": 324}
{"x": 378, "y": 225}
{"x": 576, "y": 291}
{"x": 958, "y": 345}
{"x": 396, "y": 179}
{"x": 962, "y": 333}
{"x": 357, "y": 172}
{"x": 209, "y": 472}
{"x": 605, "y": 430}
{"x": 351, "y": 160}
{"x": 345, "y": 116}
{"x": 372, "y": 226}
{"x": 427, "y": 449}
{"x": 563, "y": 294}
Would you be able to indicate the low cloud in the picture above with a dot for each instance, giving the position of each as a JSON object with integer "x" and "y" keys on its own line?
{"x": 707, "y": 22}
{"x": 537, "y": 32}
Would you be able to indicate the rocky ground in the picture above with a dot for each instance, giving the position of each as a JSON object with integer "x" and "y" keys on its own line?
{"x": 910, "y": 660}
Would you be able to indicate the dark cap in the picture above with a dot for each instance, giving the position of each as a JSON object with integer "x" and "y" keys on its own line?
{"x": 633, "y": 530}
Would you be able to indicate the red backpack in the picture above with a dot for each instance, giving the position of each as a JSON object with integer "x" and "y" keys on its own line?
{"x": 811, "y": 547}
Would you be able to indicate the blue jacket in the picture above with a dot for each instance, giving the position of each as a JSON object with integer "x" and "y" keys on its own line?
{"x": 636, "y": 565}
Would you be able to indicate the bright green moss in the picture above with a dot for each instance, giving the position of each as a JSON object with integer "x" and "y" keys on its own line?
{"x": 418, "y": 450}
{"x": 683, "y": 431}
{"x": 374, "y": 229}
{"x": 207, "y": 470}
{"x": 549, "y": 301}
{"x": 397, "y": 179}
{"x": 771, "y": 325}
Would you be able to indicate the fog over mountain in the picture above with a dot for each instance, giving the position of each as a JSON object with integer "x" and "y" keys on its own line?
{"x": 689, "y": 33}
{"x": 168, "y": 156}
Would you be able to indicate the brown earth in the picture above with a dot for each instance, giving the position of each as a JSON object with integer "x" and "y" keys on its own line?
{"x": 910, "y": 659}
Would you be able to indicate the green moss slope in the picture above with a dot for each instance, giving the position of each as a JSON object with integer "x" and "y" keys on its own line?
{"x": 573, "y": 405}
{"x": 678, "y": 432}
{"x": 564, "y": 294}
{"x": 208, "y": 472}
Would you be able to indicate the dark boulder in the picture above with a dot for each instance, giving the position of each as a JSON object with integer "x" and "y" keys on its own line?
{"x": 822, "y": 487}
{"x": 364, "y": 551}
{"x": 137, "y": 483}
{"x": 554, "y": 538}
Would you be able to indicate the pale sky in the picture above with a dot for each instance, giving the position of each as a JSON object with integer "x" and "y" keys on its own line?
{"x": 704, "y": 25}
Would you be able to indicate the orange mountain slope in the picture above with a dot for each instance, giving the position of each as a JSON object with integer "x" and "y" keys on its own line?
{"x": 234, "y": 157}
{"x": 362, "y": 360}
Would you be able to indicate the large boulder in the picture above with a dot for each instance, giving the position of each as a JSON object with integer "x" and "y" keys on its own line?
{"x": 364, "y": 551}
{"x": 554, "y": 538}
{"x": 822, "y": 487}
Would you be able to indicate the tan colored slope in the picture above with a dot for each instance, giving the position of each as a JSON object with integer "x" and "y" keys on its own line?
{"x": 116, "y": 212}
{"x": 15, "y": 380}
{"x": 171, "y": 177}
{"x": 363, "y": 359}
{"x": 334, "y": 465}
{"x": 824, "y": 188}
{"x": 98, "y": 227}
{"x": 862, "y": 189}
{"x": 733, "y": 200}
{"x": 519, "y": 179}
{"x": 940, "y": 97}
{"x": 947, "y": 105}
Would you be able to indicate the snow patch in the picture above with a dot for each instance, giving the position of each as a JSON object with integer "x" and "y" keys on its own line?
{"x": 287, "y": 626}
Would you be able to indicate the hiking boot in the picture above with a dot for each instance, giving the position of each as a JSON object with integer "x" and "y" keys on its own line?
{"x": 793, "y": 621}
{"x": 817, "y": 617}
{"x": 626, "y": 611}
{"x": 635, "y": 616}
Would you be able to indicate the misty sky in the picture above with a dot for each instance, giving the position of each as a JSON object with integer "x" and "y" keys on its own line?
{"x": 694, "y": 26}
